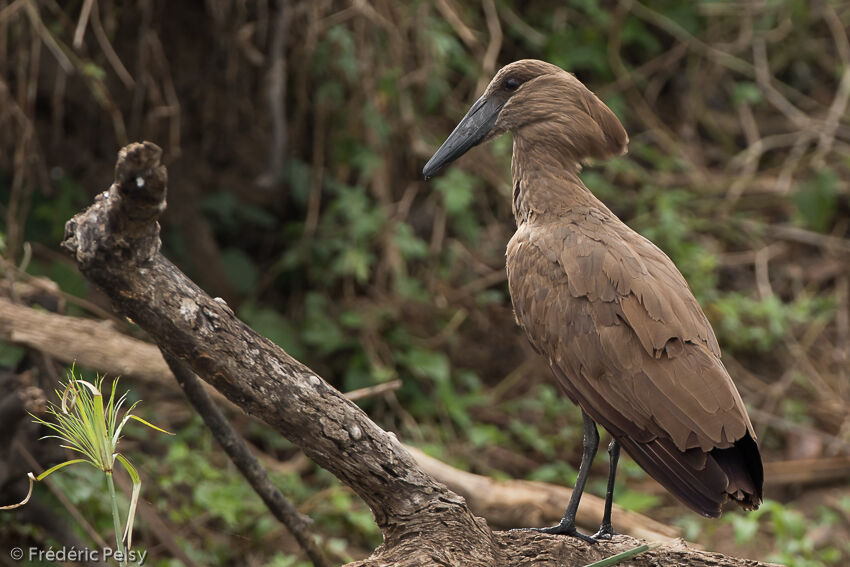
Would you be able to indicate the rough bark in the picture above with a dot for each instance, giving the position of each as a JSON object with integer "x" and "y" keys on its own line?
{"x": 116, "y": 245}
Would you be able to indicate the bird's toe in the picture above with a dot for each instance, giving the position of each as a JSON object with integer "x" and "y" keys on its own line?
{"x": 567, "y": 530}
{"x": 606, "y": 532}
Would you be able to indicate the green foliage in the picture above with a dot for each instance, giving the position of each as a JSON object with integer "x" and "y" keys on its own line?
{"x": 46, "y": 223}
{"x": 232, "y": 215}
{"x": 283, "y": 560}
{"x": 671, "y": 224}
{"x": 746, "y": 92}
{"x": 793, "y": 531}
{"x": 457, "y": 189}
{"x": 744, "y": 323}
{"x": 637, "y": 501}
{"x": 817, "y": 201}
{"x": 241, "y": 269}
{"x": 351, "y": 223}
{"x": 91, "y": 430}
{"x": 203, "y": 486}
{"x": 557, "y": 472}
{"x": 11, "y": 355}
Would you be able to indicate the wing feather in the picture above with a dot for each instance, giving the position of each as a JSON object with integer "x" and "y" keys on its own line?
{"x": 630, "y": 344}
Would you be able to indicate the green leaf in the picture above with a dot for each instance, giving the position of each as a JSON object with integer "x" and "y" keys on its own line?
{"x": 94, "y": 71}
{"x": 746, "y": 92}
{"x": 137, "y": 487}
{"x": 817, "y": 200}
{"x": 144, "y": 422}
{"x": 745, "y": 527}
{"x": 241, "y": 269}
{"x": 410, "y": 245}
{"x": 55, "y": 468}
{"x": 428, "y": 364}
{"x": 320, "y": 330}
{"x": 637, "y": 501}
{"x": 457, "y": 188}
{"x": 11, "y": 355}
{"x": 355, "y": 262}
{"x": 620, "y": 557}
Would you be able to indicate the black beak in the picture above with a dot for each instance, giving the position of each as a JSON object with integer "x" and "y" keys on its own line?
{"x": 469, "y": 132}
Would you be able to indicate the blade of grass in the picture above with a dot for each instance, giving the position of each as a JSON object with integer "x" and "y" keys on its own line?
{"x": 628, "y": 554}
{"x": 134, "y": 499}
{"x": 149, "y": 424}
{"x": 55, "y": 468}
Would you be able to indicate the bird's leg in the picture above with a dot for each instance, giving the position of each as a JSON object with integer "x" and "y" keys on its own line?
{"x": 605, "y": 530}
{"x": 567, "y": 525}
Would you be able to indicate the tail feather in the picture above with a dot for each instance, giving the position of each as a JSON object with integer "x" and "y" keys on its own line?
{"x": 742, "y": 465}
{"x": 703, "y": 481}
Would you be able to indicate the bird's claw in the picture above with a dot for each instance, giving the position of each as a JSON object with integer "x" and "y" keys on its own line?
{"x": 567, "y": 529}
{"x": 606, "y": 532}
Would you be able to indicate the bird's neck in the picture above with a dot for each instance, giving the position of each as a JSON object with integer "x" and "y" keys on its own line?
{"x": 546, "y": 182}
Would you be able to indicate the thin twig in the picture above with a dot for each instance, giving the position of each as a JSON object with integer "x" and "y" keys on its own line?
{"x": 82, "y": 23}
{"x": 248, "y": 465}
{"x": 494, "y": 28}
{"x": 842, "y": 94}
{"x": 109, "y": 52}
{"x": 788, "y": 425}
{"x": 796, "y": 234}
{"x": 375, "y": 390}
{"x": 314, "y": 201}
{"x": 764, "y": 78}
{"x": 10, "y": 10}
{"x": 449, "y": 12}
{"x": 276, "y": 93}
{"x": 47, "y": 38}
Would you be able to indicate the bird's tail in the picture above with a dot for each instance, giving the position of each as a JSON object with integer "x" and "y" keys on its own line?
{"x": 703, "y": 481}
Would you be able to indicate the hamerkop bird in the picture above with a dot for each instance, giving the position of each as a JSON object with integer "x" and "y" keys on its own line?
{"x": 622, "y": 332}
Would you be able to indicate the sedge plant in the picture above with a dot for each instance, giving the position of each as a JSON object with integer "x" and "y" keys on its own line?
{"x": 83, "y": 425}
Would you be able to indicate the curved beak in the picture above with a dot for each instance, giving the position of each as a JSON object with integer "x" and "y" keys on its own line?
{"x": 470, "y": 131}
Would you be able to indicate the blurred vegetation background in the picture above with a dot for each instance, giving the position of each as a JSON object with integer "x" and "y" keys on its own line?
{"x": 295, "y": 133}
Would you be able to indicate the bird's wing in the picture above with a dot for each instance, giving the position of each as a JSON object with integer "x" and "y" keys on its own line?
{"x": 623, "y": 333}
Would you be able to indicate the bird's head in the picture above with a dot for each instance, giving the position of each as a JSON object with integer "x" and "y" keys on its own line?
{"x": 542, "y": 104}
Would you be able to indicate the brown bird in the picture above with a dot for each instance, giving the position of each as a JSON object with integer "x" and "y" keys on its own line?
{"x": 623, "y": 334}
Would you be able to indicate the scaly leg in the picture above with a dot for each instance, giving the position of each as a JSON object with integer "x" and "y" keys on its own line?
{"x": 605, "y": 530}
{"x": 567, "y": 525}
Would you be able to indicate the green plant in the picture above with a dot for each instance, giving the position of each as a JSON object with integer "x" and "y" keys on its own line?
{"x": 793, "y": 531}
{"x": 83, "y": 425}
{"x": 744, "y": 322}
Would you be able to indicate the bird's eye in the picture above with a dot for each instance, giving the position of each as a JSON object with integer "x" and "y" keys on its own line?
{"x": 512, "y": 83}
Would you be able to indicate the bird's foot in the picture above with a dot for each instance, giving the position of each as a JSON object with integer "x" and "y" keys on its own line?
{"x": 567, "y": 529}
{"x": 605, "y": 532}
